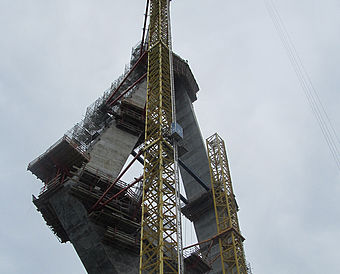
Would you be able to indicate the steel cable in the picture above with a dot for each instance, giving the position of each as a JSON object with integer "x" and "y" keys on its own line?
{"x": 308, "y": 88}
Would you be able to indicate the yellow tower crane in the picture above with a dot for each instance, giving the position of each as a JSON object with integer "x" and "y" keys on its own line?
{"x": 231, "y": 241}
{"x": 161, "y": 245}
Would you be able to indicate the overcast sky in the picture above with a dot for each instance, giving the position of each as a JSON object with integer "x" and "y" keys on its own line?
{"x": 57, "y": 57}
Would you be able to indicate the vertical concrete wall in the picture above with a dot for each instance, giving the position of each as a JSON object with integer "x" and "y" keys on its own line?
{"x": 86, "y": 237}
{"x": 139, "y": 96}
{"x": 112, "y": 148}
{"x": 196, "y": 159}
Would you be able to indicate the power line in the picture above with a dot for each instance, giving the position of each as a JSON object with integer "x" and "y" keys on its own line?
{"x": 308, "y": 88}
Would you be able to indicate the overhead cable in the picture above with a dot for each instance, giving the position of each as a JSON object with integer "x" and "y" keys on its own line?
{"x": 312, "y": 96}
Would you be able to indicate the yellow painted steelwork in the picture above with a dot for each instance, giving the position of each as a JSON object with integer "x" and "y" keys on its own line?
{"x": 158, "y": 253}
{"x": 231, "y": 243}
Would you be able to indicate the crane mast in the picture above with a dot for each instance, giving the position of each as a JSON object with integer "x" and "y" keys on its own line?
{"x": 160, "y": 250}
{"x": 231, "y": 241}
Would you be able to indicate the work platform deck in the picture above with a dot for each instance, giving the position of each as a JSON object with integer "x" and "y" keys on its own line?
{"x": 198, "y": 207}
{"x": 64, "y": 154}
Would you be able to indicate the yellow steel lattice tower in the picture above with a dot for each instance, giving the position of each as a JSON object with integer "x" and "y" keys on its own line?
{"x": 231, "y": 241}
{"x": 159, "y": 246}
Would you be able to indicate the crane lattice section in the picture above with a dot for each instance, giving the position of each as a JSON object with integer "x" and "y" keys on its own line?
{"x": 158, "y": 234}
{"x": 231, "y": 244}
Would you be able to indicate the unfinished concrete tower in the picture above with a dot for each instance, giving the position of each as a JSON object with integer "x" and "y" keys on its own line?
{"x": 84, "y": 200}
{"x": 80, "y": 167}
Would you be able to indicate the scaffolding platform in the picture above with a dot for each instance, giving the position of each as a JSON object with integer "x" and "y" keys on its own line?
{"x": 96, "y": 181}
{"x": 131, "y": 117}
{"x": 65, "y": 154}
{"x": 123, "y": 240}
{"x": 51, "y": 218}
{"x": 184, "y": 75}
{"x": 119, "y": 218}
{"x": 88, "y": 197}
{"x": 195, "y": 264}
{"x": 197, "y": 207}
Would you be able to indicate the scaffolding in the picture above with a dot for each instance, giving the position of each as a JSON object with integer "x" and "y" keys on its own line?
{"x": 119, "y": 217}
{"x": 231, "y": 244}
{"x": 198, "y": 207}
{"x": 99, "y": 114}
